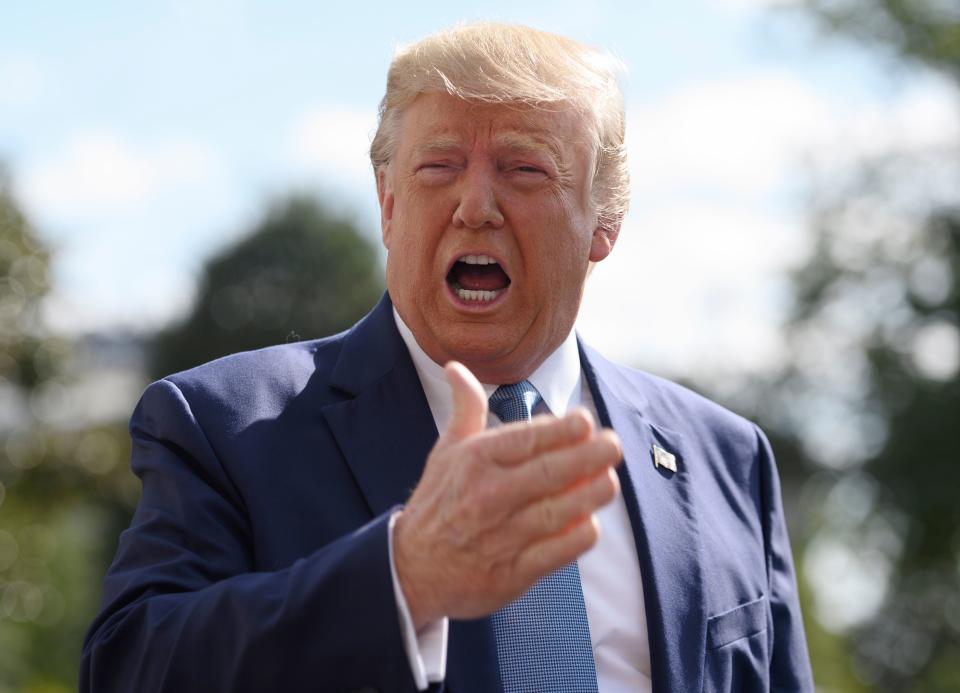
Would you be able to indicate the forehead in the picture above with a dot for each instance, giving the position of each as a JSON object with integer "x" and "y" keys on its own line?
{"x": 439, "y": 121}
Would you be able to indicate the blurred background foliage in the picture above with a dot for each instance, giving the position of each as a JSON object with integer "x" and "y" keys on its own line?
{"x": 63, "y": 491}
{"x": 66, "y": 491}
{"x": 300, "y": 273}
{"x": 864, "y": 415}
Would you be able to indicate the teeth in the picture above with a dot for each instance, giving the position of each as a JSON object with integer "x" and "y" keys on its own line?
{"x": 478, "y": 260}
{"x": 468, "y": 295}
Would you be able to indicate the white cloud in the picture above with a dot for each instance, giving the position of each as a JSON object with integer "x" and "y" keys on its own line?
{"x": 740, "y": 135}
{"x": 92, "y": 171}
{"x": 688, "y": 289}
{"x": 691, "y": 287}
{"x": 749, "y": 134}
{"x": 98, "y": 173}
{"x": 104, "y": 287}
{"x": 130, "y": 222}
{"x": 923, "y": 117}
{"x": 334, "y": 143}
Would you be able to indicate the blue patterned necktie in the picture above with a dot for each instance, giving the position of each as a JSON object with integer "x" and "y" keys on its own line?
{"x": 543, "y": 638}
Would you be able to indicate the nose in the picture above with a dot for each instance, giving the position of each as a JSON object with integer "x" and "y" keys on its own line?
{"x": 478, "y": 206}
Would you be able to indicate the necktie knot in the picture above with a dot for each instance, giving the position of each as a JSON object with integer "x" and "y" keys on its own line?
{"x": 514, "y": 402}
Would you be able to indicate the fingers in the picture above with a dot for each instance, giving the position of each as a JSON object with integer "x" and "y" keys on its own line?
{"x": 469, "y": 402}
{"x": 546, "y": 492}
{"x": 555, "y": 514}
{"x": 513, "y": 444}
{"x": 529, "y": 505}
{"x": 557, "y": 550}
{"x": 555, "y": 470}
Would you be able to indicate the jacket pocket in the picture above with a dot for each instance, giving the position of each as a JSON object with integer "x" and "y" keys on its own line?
{"x": 737, "y": 656}
{"x": 740, "y": 622}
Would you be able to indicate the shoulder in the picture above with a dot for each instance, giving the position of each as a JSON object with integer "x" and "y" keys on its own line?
{"x": 285, "y": 383}
{"x": 252, "y": 384}
{"x": 280, "y": 367}
{"x": 674, "y": 406}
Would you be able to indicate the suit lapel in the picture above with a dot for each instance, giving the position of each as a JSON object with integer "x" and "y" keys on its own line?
{"x": 385, "y": 431}
{"x": 662, "y": 515}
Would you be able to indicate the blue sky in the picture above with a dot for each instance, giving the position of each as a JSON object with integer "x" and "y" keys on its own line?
{"x": 141, "y": 138}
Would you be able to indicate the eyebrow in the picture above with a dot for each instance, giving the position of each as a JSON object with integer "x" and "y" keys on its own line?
{"x": 438, "y": 144}
{"x": 524, "y": 142}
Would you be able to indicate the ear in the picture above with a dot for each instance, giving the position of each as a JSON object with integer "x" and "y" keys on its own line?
{"x": 604, "y": 238}
{"x": 385, "y": 196}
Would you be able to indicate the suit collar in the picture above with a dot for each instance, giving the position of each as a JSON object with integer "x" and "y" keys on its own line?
{"x": 384, "y": 444}
{"x": 370, "y": 350}
{"x": 663, "y": 517}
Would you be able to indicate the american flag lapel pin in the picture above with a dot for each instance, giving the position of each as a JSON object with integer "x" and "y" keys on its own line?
{"x": 662, "y": 458}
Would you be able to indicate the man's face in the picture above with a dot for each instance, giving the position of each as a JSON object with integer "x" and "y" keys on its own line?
{"x": 488, "y": 222}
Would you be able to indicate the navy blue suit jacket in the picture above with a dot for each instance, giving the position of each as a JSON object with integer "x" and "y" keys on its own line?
{"x": 257, "y": 559}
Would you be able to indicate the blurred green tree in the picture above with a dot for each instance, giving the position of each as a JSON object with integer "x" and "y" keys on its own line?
{"x": 873, "y": 397}
{"x": 300, "y": 273}
{"x": 26, "y": 357}
{"x": 66, "y": 492}
{"x": 925, "y": 32}
{"x": 63, "y": 498}
{"x": 870, "y": 404}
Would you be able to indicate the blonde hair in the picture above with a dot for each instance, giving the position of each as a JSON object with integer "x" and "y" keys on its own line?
{"x": 509, "y": 64}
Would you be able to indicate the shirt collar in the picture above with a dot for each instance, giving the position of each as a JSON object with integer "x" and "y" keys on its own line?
{"x": 557, "y": 379}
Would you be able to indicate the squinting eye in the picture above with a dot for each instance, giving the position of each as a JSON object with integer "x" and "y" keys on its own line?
{"x": 527, "y": 169}
{"x": 437, "y": 167}
{"x": 436, "y": 173}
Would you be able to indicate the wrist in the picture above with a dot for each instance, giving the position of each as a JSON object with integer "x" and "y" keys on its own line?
{"x": 409, "y": 561}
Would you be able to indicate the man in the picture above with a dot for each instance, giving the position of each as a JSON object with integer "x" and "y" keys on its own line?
{"x": 346, "y": 514}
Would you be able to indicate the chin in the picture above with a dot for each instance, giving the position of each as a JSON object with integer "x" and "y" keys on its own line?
{"x": 494, "y": 363}
{"x": 476, "y": 350}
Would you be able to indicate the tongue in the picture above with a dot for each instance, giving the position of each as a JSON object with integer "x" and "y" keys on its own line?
{"x": 479, "y": 277}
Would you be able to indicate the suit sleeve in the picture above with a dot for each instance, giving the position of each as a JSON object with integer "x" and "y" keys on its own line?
{"x": 183, "y": 610}
{"x": 789, "y": 660}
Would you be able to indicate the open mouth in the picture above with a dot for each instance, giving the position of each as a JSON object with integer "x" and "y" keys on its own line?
{"x": 477, "y": 279}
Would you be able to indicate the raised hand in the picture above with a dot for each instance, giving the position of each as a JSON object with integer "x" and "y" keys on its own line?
{"x": 497, "y": 509}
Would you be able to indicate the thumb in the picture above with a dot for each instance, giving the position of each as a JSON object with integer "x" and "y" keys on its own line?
{"x": 469, "y": 402}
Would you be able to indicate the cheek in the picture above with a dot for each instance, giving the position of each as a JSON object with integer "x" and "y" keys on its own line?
{"x": 568, "y": 248}
{"x": 410, "y": 257}
{"x": 419, "y": 219}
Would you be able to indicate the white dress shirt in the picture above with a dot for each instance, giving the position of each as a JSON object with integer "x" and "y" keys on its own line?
{"x": 609, "y": 572}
